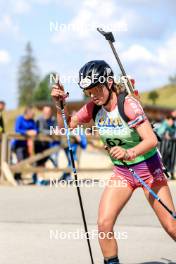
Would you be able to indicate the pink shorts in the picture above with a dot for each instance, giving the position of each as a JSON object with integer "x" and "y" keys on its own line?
{"x": 149, "y": 170}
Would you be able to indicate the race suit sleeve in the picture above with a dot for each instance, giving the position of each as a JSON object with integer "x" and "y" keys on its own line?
{"x": 134, "y": 111}
{"x": 84, "y": 115}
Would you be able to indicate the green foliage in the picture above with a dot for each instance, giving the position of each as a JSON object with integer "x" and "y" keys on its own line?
{"x": 42, "y": 91}
{"x": 153, "y": 96}
{"x": 167, "y": 95}
{"x": 28, "y": 77}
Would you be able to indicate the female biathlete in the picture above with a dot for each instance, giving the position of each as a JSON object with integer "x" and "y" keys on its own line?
{"x": 133, "y": 141}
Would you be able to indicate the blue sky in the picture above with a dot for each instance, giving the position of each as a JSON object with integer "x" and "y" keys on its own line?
{"x": 145, "y": 35}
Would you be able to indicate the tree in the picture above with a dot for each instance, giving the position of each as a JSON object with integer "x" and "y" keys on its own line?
{"x": 153, "y": 96}
{"x": 28, "y": 77}
{"x": 42, "y": 91}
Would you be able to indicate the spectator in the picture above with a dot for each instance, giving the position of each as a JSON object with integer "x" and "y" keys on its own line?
{"x": 167, "y": 132}
{"x": 2, "y": 107}
{"x": 167, "y": 129}
{"x": 46, "y": 120}
{"x": 44, "y": 123}
{"x": 174, "y": 117}
{"x": 25, "y": 126}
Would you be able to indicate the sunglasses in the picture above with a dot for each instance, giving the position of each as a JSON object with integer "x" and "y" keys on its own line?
{"x": 93, "y": 91}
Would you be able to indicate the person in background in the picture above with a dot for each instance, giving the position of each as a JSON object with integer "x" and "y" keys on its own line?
{"x": 166, "y": 130}
{"x": 79, "y": 140}
{"x": 2, "y": 107}
{"x": 167, "y": 133}
{"x": 25, "y": 126}
{"x": 174, "y": 117}
{"x": 44, "y": 122}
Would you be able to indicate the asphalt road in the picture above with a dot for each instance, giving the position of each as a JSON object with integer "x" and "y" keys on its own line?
{"x": 44, "y": 225}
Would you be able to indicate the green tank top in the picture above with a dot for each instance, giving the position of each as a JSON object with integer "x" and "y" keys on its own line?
{"x": 114, "y": 131}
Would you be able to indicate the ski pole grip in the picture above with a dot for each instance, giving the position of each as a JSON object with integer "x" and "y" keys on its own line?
{"x": 61, "y": 104}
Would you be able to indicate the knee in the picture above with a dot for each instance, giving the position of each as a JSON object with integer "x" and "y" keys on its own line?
{"x": 105, "y": 225}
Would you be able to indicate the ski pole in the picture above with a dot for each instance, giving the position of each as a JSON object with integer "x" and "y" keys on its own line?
{"x": 155, "y": 196}
{"x": 129, "y": 87}
{"x": 76, "y": 177}
{"x": 110, "y": 38}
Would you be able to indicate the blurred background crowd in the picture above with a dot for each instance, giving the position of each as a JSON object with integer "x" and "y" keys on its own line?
{"x": 33, "y": 122}
{"x": 43, "y": 37}
{"x": 30, "y": 126}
